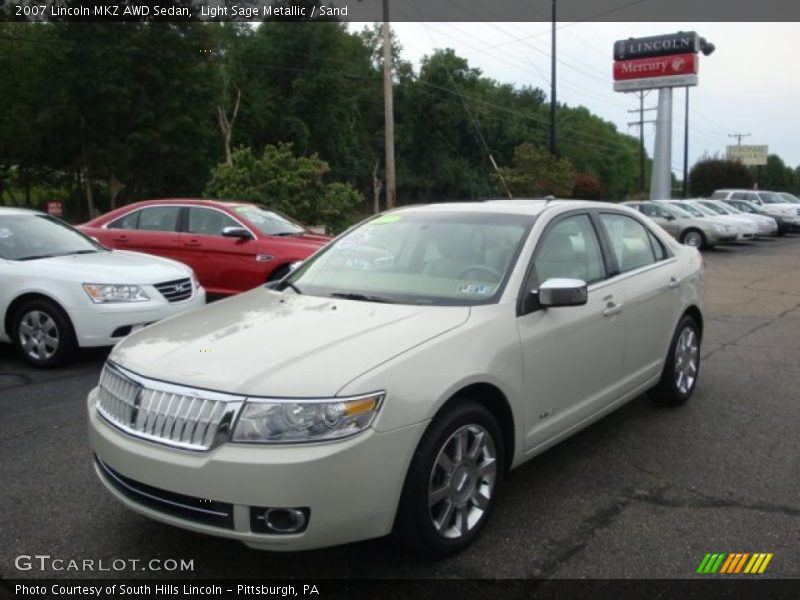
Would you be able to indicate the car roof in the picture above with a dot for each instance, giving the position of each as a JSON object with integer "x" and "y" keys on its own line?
{"x": 521, "y": 206}
{"x": 192, "y": 201}
{"x": 13, "y": 210}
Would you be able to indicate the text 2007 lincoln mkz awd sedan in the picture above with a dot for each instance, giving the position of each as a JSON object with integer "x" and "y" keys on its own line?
{"x": 389, "y": 383}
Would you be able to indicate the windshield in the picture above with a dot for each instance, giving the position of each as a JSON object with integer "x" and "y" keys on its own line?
{"x": 717, "y": 209}
{"x": 436, "y": 258}
{"x": 705, "y": 211}
{"x": 743, "y": 207}
{"x": 29, "y": 237}
{"x": 268, "y": 221}
{"x": 770, "y": 198}
{"x": 675, "y": 211}
{"x": 789, "y": 198}
{"x": 688, "y": 208}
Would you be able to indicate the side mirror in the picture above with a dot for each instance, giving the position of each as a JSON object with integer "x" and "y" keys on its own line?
{"x": 237, "y": 232}
{"x": 563, "y": 292}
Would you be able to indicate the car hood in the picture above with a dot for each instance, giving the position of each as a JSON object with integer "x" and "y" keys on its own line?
{"x": 116, "y": 266}
{"x": 265, "y": 343}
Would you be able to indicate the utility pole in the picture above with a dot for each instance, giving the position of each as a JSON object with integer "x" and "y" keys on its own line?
{"x": 388, "y": 108}
{"x": 738, "y": 137}
{"x": 553, "y": 146}
{"x": 640, "y": 124}
{"x": 686, "y": 147}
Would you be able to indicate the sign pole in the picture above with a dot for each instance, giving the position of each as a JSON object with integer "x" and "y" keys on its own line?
{"x": 661, "y": 180}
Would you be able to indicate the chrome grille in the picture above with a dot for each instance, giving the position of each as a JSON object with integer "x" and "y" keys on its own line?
{"x": 176, "y": 290}
{"x": 165, "y": 413}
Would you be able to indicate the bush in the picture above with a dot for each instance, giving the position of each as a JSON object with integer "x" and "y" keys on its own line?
{"x": 536, "y": 172}
{"x": 587, "y": 187}
{"x": 282, "y": 181}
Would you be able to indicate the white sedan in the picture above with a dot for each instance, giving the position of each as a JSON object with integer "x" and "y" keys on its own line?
{"x": 389, "y": 383}
{"x": 62, "y": 290}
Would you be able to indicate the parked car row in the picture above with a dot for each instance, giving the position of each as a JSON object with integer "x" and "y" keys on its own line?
{"x": 704, "y": 223}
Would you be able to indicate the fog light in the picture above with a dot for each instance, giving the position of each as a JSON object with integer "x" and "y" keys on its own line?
{"x": 280, "y": 520}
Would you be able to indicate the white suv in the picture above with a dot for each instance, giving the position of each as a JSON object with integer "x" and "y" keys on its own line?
{"x": 772, "y": 203}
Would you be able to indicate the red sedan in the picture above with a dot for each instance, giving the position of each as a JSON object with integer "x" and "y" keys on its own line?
{"x": 232, "y": 246}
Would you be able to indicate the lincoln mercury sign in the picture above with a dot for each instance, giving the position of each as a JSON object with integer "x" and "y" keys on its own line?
{"x": 657, "y": 62}
{"x": 748, "y": 155}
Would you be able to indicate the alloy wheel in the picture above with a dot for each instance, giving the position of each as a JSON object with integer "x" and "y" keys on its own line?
{"x": 693, "y": 238}
{"x": 686, "y": 355}
{"x": 38, "y": 335}
{"x": 462, "y": 481}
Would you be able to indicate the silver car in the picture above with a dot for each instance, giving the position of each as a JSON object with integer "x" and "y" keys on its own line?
{"x": 765, "y": 225}
{"x": 750, "y": 208}
{"x": 687, "y": 228}
{"x": 744, "y": 229}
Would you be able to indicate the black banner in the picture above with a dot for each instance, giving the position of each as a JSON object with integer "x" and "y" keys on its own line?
{"x": 399, "y": 10}
{"x": 463, "y": 589}
{"x": 683, "y": 42}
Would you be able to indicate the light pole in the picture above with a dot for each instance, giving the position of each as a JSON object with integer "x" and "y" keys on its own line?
{"x": 553, "y": 146}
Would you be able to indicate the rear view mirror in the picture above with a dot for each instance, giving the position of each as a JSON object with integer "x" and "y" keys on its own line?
{"x": 563, "y": 292}
{"x": 236, "y": 232}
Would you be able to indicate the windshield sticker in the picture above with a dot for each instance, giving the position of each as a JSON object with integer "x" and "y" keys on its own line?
{"x": 475, "y": 288}
{"x": 386, "y": 219}
{"x": 5, "y": 233}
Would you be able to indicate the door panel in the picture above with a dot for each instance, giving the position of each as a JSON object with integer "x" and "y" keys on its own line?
{"x": 222, "y": 264}
{"x": 572, "y": 355}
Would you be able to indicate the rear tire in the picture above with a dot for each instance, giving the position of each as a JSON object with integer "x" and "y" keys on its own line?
{"x": 452, "y": 482}
{"x": 43, "y": 334}
{"x": 682, "y": 366}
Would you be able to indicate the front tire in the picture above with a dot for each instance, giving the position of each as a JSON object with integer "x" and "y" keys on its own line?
{"x": 43, "y": 334}
{"x": 694, "y": 238}
{"x": 452, "y": 482}
{"x": 679, "y": 376}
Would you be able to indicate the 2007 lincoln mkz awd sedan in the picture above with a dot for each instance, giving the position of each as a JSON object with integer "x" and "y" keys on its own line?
{"x": 388, "y": 383}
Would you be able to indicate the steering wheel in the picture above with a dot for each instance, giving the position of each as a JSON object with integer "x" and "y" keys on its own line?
{"x": 484, "y": 268}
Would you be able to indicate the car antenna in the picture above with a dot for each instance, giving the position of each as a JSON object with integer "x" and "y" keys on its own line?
{"x": 547, "y": 199}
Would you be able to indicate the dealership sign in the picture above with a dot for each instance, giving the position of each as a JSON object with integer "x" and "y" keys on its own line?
{"x": 656, "y": 62}
{"x": 748, "y": 155}
{"x": 683, "y": 42}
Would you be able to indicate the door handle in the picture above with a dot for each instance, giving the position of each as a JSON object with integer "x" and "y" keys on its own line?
{"x": 673, "y": 283}
{"x": 612, "y": 308}
{"x": 121, "y": 238}
{"x": 192, "y": 243}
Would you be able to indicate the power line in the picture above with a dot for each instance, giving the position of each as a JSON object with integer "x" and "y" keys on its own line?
{"x": 739, "y": 137}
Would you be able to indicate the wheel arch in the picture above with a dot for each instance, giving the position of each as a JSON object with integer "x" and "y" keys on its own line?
{"x": 26, "y": 297}
{"x": 494, "y": 400}
{"x": 694, "y": 312}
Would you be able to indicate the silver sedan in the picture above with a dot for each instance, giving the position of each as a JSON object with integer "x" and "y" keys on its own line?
{"x": 687, "y": 228}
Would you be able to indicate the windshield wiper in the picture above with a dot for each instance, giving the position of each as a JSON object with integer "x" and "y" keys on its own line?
{"x": 37, "y": 256}
{"x": 85, "y": 252}
{"x": 295, "y": 289}
{"x": 287, "y": 233}
{"x": 362, "y": 297}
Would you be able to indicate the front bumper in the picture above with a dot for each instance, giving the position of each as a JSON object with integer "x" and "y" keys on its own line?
{"x": 352, "y": 487}
{"x": 99, "y": 324}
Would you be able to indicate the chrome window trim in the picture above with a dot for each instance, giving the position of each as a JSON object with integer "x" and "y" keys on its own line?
{"x": 227, "y": 214}
{"x": 633, "y": 273}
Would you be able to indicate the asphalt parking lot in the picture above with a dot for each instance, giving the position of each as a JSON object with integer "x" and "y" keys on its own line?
{"x": 645, "y": 492}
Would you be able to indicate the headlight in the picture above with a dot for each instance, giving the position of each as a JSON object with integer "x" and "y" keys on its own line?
{"x": 101, "y": 293}
{"x": 285, "y": 421}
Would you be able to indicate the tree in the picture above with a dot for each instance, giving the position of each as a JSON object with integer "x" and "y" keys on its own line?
{"x": 287, "y": 183}
{"x": 713, "y": 173}
{"x": 775, "y": 175}
{"x": 536, "y": 172}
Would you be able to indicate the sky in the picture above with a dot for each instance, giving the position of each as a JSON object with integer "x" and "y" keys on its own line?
{"x": 748, "y": 85}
